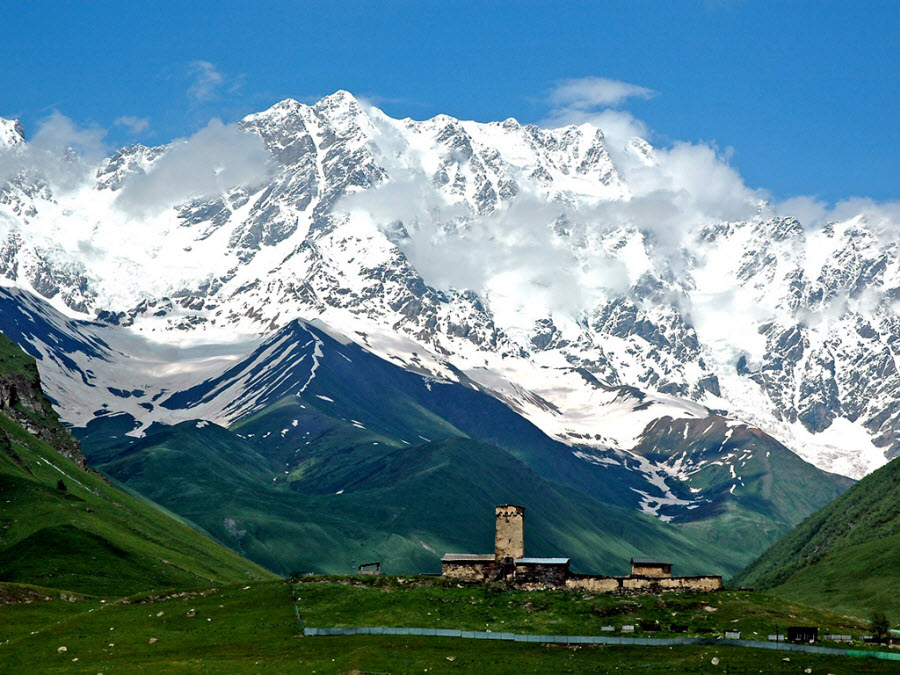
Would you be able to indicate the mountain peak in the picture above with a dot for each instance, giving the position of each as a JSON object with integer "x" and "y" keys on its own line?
{"x": 339, "y": 99}
{"x": 12, "y": 133}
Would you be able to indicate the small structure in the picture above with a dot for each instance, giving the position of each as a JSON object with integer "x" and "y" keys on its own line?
{"x": 650, "y": 567}
{"x": 838, "y": 637}
{"x": 373, "y": 568}
{"x": 802, "y": 634}
{"x": 508, "y": 563}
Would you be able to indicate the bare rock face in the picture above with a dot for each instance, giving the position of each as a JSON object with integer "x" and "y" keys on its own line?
{"x": 23, "y": 400}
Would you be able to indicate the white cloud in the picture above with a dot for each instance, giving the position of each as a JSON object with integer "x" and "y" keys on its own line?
{"x": 674, "y": 189}
{"x": 216, "y": 159}
{"x": 590, "y": 93}
{"x": 207, "y": 80}
{"x": 134, "y": 124}
{"x": 620, "y": 125}
{"x": 57, "y": 133}
{"x": 61, "y": 151}
{"x": 517, "y": 259}
{"x": 814, "y": 213}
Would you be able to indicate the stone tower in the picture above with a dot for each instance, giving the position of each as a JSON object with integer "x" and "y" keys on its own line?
{"x": 510, "y": 537}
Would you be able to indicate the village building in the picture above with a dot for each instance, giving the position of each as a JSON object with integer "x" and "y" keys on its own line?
{"x": 372, "y": 568}
{"x": 650, "y": 567}
{"x": 508, "y": 563}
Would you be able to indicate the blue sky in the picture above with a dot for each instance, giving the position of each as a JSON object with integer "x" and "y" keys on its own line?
{"x": 802, "y": 96}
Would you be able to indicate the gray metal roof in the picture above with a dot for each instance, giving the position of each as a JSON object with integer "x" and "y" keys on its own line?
{"x": 649, "y": 561}
{"x": 468, "y": 557}
{"x": 542, "y": 561}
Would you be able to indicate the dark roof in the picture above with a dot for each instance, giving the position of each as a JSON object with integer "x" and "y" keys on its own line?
{"x": 542, "y": 561}
{"x": 649, "y": 561}
{"x": 468, "y": 557}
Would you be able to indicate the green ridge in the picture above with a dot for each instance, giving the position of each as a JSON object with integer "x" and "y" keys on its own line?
{"x": 844, "y": 557}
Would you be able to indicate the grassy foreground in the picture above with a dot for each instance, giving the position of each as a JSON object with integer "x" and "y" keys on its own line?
{"x": 253, "y": 628}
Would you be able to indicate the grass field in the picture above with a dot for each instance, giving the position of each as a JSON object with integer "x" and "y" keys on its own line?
{"x": 253, "y": 628}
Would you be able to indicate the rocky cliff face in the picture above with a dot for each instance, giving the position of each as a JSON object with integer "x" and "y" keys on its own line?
{"x": 529, "y": 260}
{"x": 23, "y": 400}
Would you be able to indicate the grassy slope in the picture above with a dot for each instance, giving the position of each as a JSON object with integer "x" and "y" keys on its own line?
{"x": 336, "y": 456}
{"x": 240, "y": 629}
{"x": 843, "y": 557}
{"x": 19, "y": 379}
{"x": 91, "y": 537}
{"x": 13, "y": 361}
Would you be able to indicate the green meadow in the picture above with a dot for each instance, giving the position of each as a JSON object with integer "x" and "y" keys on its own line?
{"x": 255, "y": 628}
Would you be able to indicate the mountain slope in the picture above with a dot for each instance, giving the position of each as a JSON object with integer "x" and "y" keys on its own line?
{"x": 355, "y": 495}
{"x": 64, "y": 527}
{"x": 23, "y": 401}
{"x": 526, "y": 286}
{"x": 845, "y": 556}
{"x": 319, "y": 424}
{"x": 522, "y": 257}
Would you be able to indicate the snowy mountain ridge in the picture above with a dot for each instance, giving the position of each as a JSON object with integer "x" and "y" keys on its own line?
{"x": 553, "y": 268}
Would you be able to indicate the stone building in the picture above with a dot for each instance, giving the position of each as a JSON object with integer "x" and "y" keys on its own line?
{"x": 508, "y": 563}
{"x": 650, "y": 567}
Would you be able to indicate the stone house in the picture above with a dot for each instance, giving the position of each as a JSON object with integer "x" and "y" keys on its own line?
{"x": 650, "y": 567}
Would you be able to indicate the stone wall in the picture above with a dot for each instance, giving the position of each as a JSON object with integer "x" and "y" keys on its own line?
{"x": 550, "y": 575}
{"x": 594, "y": 584}
{"x": 642, "y": 584}
{"x": 698, "y": 583}
{"x": 662, "y": 584}
{"x": 468, "y": 571}
{"x": 651, "y": 570}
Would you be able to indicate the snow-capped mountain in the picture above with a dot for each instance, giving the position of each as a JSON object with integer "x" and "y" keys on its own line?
{"x": 551, "y": 268}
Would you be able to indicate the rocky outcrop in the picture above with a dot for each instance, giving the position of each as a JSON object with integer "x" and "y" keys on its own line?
{"x": 23, "y": 400}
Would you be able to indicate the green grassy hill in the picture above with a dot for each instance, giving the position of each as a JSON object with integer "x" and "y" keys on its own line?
{"x": 22, "y": 400}
{"x": 846, "y": 556}
{"x": 64, "y": 527}
{"x": 751, "y": 503}
{"x": 360, "y": 460}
